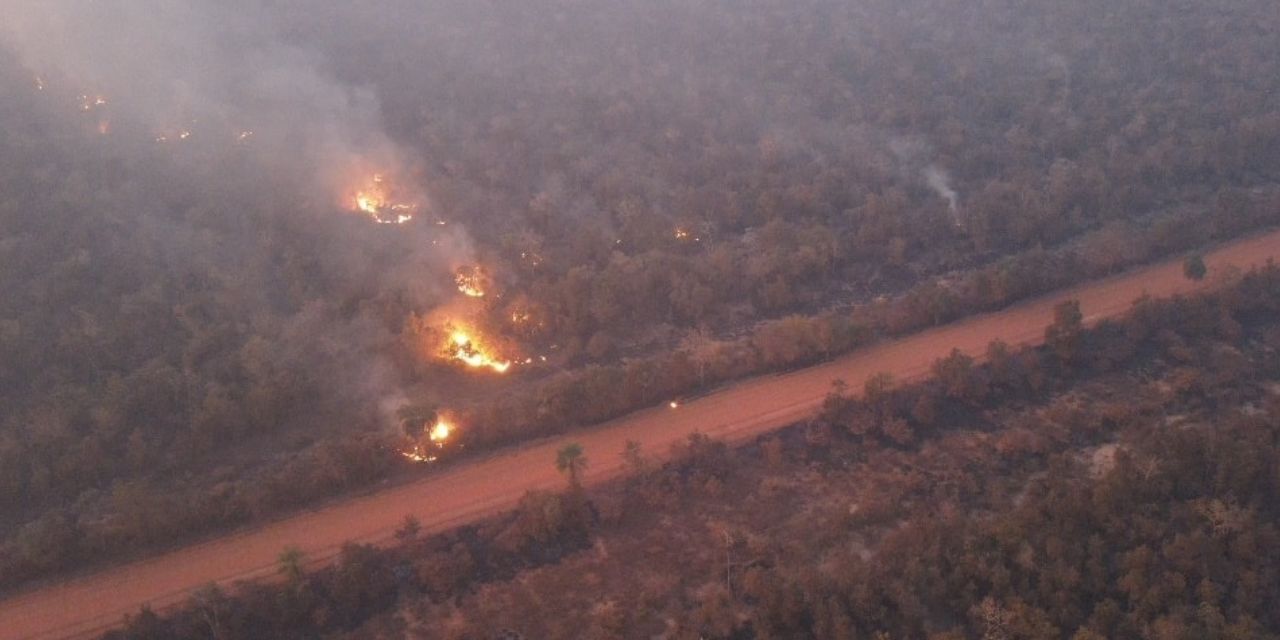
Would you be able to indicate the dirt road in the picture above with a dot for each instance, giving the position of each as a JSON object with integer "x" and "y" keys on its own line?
{"x": 89, "y": 605}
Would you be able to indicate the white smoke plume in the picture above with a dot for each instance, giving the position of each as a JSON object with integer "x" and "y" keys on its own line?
{"x": 940, "y": 182}
{"x": 915, "y": 157}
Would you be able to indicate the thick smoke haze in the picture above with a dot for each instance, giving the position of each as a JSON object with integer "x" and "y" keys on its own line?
{"x": 219, "y": 71}
{"x": 220, "y": 78}
{"x": 205, "y": 291}
{"x": 222, "y": 129}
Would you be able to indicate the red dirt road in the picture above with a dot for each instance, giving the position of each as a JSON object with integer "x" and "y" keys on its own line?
{"x": 92, "y": 604}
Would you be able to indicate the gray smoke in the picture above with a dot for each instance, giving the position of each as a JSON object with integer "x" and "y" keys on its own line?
{"x": 940, "y": 182}
{"x": 214, "y": 71}
{"x": 211, "y": 103}
{"x": 916, "y": 158}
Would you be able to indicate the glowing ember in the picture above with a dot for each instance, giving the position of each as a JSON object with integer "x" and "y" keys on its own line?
{"x": 471, "y": 282}
{"x": 465, "y": 350}
{"x": 89, "y": 103}
{"x": 531, "y": 258}
{"x": 375, "y": 201}
{"x": 244, "y": 136}
{"x": 416, "y": 454}
{"x": 673, "y": 404}
{"x": 179, "y": 136}
{"x": 681, "y": 234}
{"x": 39, "y": 83}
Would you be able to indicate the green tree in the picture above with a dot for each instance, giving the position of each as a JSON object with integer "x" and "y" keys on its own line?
{"x": 571, "y": 461}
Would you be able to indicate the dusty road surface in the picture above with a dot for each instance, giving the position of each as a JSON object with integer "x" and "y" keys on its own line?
{"x": 89, "y": 605}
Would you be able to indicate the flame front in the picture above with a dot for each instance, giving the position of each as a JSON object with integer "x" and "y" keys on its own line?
{"x": 375, "y": 201}
{"x": 416, "y": 454}
{"x": 465, "y": 350}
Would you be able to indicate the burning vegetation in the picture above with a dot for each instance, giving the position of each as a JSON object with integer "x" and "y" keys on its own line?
{"x": 377, "y": 199}
{"x": 428, "y": 448}
{"x": 464, "y": 347}
{"x": 472, "y": 282}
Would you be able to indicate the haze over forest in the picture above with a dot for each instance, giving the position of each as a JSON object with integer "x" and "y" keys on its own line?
{"x": 257, "y": 255}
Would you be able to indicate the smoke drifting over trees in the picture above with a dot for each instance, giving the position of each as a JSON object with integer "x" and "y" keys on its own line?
{"x": 188, "y": 300}
{"x": 231, "y": 151}
{"x": 214, "y": 69}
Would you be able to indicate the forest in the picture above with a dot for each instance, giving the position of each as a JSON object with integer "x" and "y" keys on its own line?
{"x": 1117, "y": 482}
{"x": 651, "y": 198}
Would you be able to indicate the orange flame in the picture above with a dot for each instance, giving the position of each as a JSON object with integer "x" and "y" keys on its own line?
{"x": 416, "y": 454}
{"x": 471, "y": 282}
{"x": 464, "y": 349}
{"x": 374, "y": 201}
{"x": 436, "y": 437}
{"x": 440, "y": 433}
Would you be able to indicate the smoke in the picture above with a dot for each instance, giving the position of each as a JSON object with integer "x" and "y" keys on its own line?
{"x": 234, "y": 136}
{"x": 940, "y": 182}
{"x": 915, "y": 158}
{"x": 213, "y": 73}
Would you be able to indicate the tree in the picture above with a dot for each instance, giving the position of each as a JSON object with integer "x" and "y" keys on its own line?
{"x": 959, "y": 378}
{"x": 1063, "y": 336}
{"x": 571, "y": 461}
{"x": 877, "y": 389}
{"x": 291, "y": 563}
{"x": 210, "y": 603}
{"x": 409, "y": 528}
{"x": 1194, "y": 268}
{"x": 416, "y": 418}
{"x": 633, "y": 456}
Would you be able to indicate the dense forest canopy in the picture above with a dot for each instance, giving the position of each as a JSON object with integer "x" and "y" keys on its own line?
{"x": 187, "y": 297}
{"x": 1116, "y": 484}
